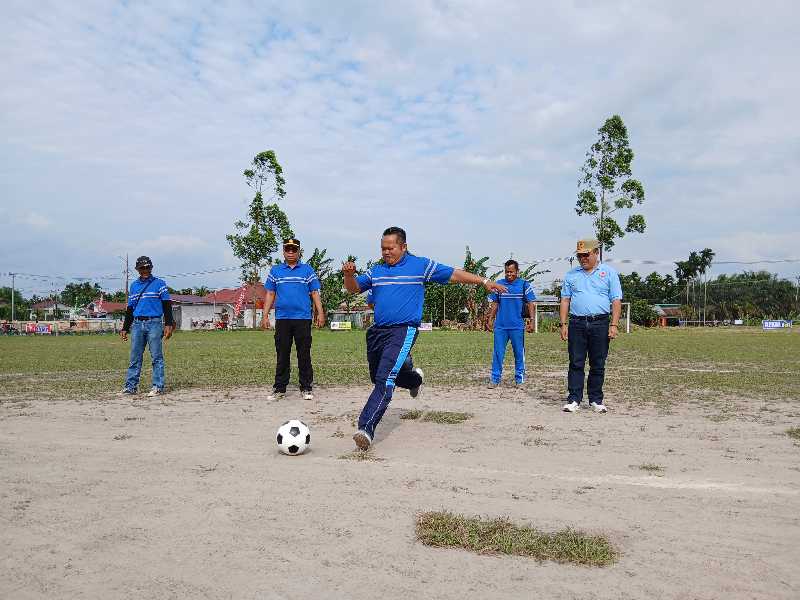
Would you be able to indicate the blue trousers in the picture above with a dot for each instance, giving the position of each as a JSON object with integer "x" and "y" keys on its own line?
{"x": 587, "y": 338}
{"x": 146, "y": 333}
{"x": 501, "y": 337}
{"x": 390, "y": 365}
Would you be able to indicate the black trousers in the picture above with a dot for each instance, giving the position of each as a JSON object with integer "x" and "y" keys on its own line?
{"x": 587, "y": 337}
{"x": 299, "y": 331}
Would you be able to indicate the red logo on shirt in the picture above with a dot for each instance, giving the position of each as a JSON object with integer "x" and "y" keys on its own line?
{"x": 602, "y": 273}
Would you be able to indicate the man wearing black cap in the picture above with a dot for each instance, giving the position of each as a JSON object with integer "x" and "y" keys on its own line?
{"x": 292, "y": 285}
{"x": 148, "y": 302}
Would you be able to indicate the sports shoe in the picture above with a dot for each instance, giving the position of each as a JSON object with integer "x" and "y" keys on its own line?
{"x": 599, "y": 407}
{"x": 362, "y": 439}
{"x": 571, "y": 407}
{"x": 276, "y": 395}
{"x": 415, "y": 391}
{"x": 154, "y": 392}
{"x": 128, "y": 392}
{"x": 308, "y": 395}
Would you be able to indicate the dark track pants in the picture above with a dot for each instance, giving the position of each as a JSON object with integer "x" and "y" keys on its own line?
{"x": 390, "y": 365}
{"x": 299, "y": 331}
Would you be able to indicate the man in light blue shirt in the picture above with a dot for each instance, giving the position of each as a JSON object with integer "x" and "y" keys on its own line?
{"x": 592, "y": 296}
{"x": 507, "y": 324}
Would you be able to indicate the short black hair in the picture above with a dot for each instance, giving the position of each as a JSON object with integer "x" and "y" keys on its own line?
{"x": 510, "y": 262}
{"x": 398, "y": 231}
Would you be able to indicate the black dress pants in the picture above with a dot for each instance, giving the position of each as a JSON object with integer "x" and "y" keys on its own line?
{"x": 299, "y": 331}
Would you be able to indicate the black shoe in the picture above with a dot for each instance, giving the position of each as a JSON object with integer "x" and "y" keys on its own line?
{"x": 415, "y": 390}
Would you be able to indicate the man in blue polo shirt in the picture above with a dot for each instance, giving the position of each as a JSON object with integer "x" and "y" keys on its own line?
{"x": 398, "y": 291}
{"x": 506, "y": 319}
{"x": 589, "y": 293}
{"x": 148, "y": 303}
{"x": 292, "y": 285}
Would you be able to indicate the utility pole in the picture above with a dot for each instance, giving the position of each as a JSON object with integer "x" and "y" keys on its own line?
{"x": 127, "y": 270}
{"x": 13, "y": 291}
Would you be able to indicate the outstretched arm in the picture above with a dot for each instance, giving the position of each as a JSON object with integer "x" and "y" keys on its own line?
{"x": 350, "y": 283}
{"x": 460, "y": 276}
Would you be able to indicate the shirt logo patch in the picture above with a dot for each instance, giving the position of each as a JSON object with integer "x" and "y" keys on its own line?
{"x": 602, "y": 273}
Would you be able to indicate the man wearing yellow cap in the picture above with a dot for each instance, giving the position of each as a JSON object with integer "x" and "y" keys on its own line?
{"x": 592, "y": 297}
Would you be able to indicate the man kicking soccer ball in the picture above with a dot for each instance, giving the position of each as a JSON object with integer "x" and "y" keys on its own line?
{"x": 398, "y": 291}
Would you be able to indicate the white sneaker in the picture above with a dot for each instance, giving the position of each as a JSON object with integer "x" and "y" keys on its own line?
{"x": 308, "y": 395}
{"x": 601, "y": 408}
{"x": 154, "y": 392}
{"x": 362, "y": 439}
{"x": 128, "y": 392}
{"x": 415, "y": 391}
{"x": 571, "y": 407}
{"x": 276, "y": 395}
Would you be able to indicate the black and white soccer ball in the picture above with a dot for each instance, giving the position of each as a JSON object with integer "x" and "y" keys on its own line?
{"x": 294, "y": 437}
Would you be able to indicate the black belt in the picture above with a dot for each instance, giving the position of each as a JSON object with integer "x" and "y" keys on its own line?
{"x": 599, "y": 317}
{"x": 146, "y": 318}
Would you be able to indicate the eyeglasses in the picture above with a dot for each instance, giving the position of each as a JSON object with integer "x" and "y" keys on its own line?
{"x": 583, "y": 254}
{"x": 289, "y": 249}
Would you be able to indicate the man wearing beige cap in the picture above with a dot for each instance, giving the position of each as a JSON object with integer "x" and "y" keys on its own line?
{"x": 592, "y": 297}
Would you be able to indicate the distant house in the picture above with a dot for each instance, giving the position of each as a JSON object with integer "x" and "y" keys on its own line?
{"x": 49, "y": 308}
{"x": 192, "y": 312}
{"x": 669, "y": 315}
{"x": 101, "y": 308}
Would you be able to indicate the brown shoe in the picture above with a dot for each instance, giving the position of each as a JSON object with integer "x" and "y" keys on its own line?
{"x": 362, "y": 440}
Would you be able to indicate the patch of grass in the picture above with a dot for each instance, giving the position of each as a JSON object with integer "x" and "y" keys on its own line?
{"x": 123, "y": 436}
{"x": 500, "y": 536}
{"x": 651, "y": 468}
{"x": 411, "y": 415}
{"x": 437, "y": 416}
{"x": 360, "y": 456}
{"x": 794, "y": 433}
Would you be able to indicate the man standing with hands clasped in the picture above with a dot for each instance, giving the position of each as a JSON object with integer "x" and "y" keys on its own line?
{"x": 148, "y": 302}
{"x": 296, "y": 286}
{"x": 398, "y": 290}
{"x": 589, "y": 293}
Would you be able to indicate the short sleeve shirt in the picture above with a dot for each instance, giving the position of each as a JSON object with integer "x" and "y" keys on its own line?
{"x": 510, "y": 303}
{"x": 146, "y": 295}
{"x": 292, "y": 287}
{"x": 398, "y": 291}
{"x": 591, "y": 293}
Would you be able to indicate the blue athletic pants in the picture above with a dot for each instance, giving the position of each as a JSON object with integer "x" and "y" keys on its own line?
{"x": 501, "y": 338}
{"x": 390, "y": 365}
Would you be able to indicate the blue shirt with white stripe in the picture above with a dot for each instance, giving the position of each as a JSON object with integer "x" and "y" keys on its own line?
{"x": 510, "y": 303}
{"x": 398, "y": 291}
{"x": 292, "y": 287}
{"x": 147, "y": 295}
{"x": 591, "y": 293}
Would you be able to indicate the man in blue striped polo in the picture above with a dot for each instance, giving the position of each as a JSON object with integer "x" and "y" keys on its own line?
{"x": 398, "y": 291}
{"x": 505, "y": 317}
{"x": 292, "y": 285}
{"x": 592, "y": 296}
{"x": 148, "y": 303}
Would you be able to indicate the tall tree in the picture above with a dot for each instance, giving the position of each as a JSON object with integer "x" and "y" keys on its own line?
{"x": 606, "y": 185}
{"x": 256, "y": 239}
{"x": 80, "y": 294}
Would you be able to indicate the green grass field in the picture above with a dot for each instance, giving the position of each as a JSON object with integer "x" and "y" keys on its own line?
{"x": 646, "y": 365}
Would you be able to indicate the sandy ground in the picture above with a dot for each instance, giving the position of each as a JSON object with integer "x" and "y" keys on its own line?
{"x": 189, "y": 498}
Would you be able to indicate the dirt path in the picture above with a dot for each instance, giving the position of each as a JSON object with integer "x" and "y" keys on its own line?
{"x": 189, "y": 499}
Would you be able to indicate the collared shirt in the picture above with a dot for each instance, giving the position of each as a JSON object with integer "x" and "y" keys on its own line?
{"x": 510, "y": 303}
{"x": 398, "y": 291}
{"x": 146, "y": 295}
{"x": 591, "y": 293}
{"x": 292, "y": 287}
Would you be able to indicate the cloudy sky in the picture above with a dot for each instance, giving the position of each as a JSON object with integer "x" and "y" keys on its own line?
{"x": 126, "y": 127}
